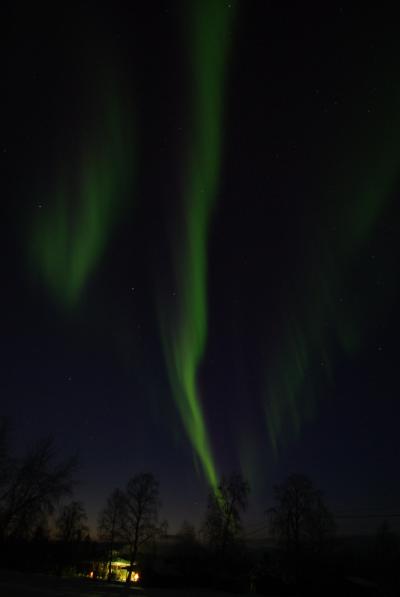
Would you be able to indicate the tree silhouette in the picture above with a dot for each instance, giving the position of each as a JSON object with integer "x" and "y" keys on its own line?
{"x": 31, "y": 487}
{"x": 187, "y": 534}
{"x": 71, "y": 523}
{"x": 300, "y": 520}
{"x": 71, "y": 531}
{"x": 386, "y": 544}
{"x": 222, "y": 525}
{"x": 188, "y": 552}
{"x": 5, "y": 460}
{"x": 110, "y": 523}
{"x": 140, "y": 515}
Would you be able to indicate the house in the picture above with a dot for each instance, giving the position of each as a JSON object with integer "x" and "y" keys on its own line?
{"x": 119, "y": 570}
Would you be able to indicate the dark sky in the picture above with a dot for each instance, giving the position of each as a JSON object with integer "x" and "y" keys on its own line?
{"x": 208, "y": 188}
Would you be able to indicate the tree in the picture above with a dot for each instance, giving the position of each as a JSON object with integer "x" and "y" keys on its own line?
{"x": 71, "y": 523}
{"x": 188, "y": 552}
{"x": 300, "y": 521}
{"x": 187, "y": 534}
{"x": 31, "y": 487}
{"x": 5, "y": 460}
{"x": 222, "y": 525}
{"x": 72, "y": 532}
{"x": 386, "y": 548}
{"x": 110, "y": 523}
{"x": 140, "y": 516}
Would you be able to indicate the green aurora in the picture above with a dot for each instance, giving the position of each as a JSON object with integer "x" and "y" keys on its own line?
{"x": 184, "y": 340}
{"x": 364, "y": 170}
{"x": 71, "y": 231}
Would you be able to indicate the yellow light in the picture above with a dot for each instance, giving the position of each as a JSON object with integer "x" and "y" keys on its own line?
{"x": 135, "y": 577}
{"x": 91, "y": 574}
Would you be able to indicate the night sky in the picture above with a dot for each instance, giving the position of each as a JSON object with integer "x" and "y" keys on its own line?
{"x": 199, "y": 229}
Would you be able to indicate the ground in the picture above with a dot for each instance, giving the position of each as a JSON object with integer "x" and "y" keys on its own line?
{"x": 29, "y": 585}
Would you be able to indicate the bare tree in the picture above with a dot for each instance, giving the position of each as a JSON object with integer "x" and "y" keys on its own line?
{"x": 71, "y": 523}
{"x": 188, "y": 552}
{"x": 140, "y": 521}
{"x": 5, "y": 459}
{"x": 387, "y": 548}
{"x": 187, "y": 534}
{"x": 300, "y": 520}
{"x": 31, "y": 488}
{"x": 222, "y": 525}
{"x": 110, "y": 523}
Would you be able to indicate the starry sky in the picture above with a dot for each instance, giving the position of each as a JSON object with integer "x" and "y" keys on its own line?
{"x": 200, "y": 246}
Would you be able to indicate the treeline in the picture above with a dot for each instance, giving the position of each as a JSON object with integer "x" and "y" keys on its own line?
{"x": 32, "y": 487}
{"x": 43, "y": 528}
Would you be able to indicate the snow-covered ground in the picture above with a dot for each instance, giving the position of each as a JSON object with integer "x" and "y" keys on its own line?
{"x": 24, "y": 585}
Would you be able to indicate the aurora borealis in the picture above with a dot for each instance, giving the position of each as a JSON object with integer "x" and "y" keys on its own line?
{"x": 69, "y": 237}
{"x": 201, "y": 247}
{"x": 306, "y": 335}
{"x": 185, "y": 339}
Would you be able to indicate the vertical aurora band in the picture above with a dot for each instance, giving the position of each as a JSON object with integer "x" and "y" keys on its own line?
{"x": 320, "y": 317}
{"x": 71, "y": 231}
{"x": 185, "y": 338}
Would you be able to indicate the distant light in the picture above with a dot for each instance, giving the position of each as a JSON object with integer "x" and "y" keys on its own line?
{"x": 135, "y": 577}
